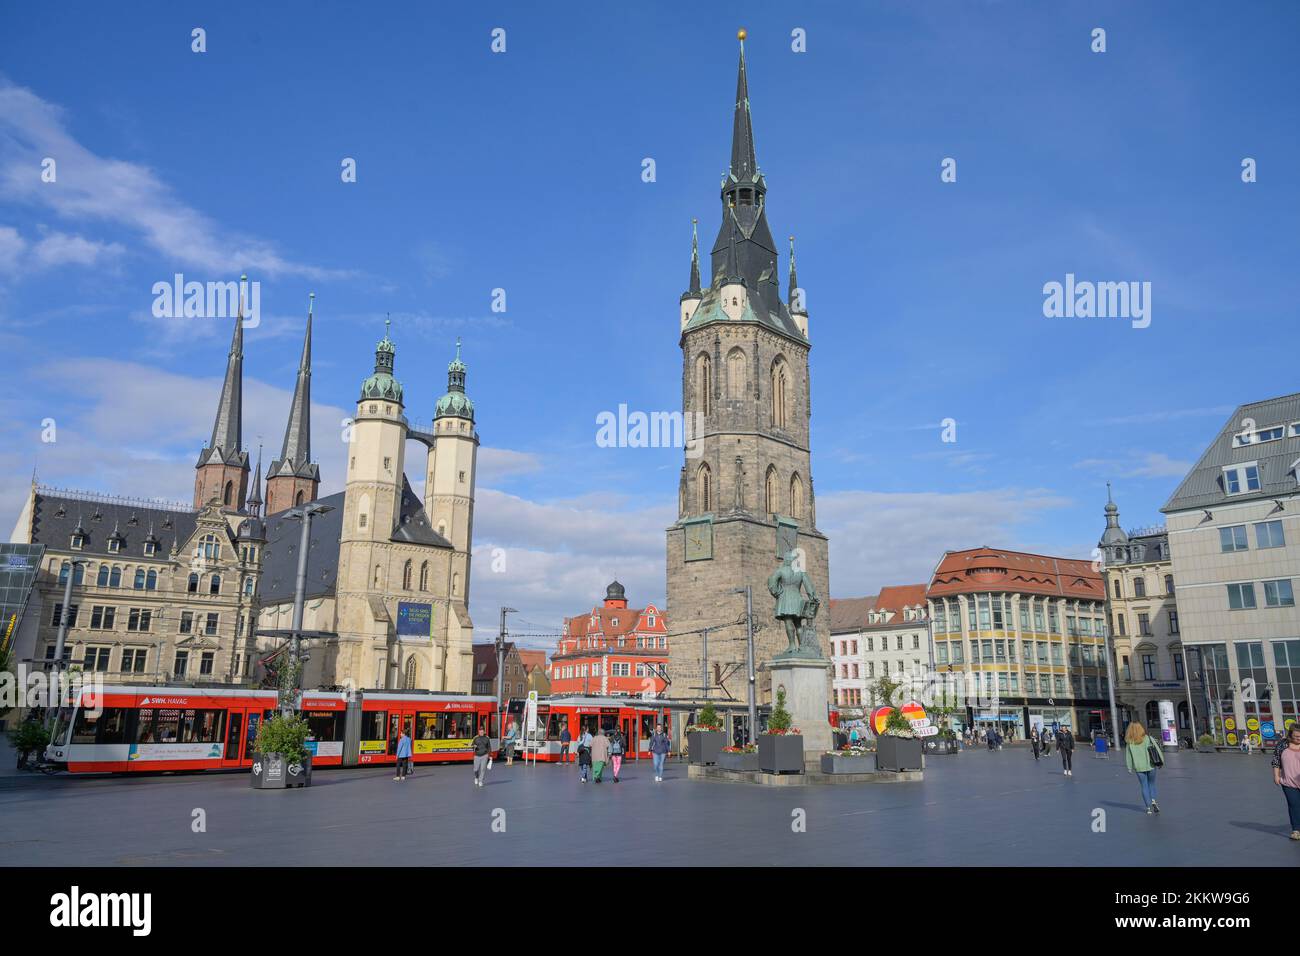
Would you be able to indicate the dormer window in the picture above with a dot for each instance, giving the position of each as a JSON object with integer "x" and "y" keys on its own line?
{"x": 150, "y": 547}
{"x": 78, "y": 542}
{"x": 1238, "y": 479}
{"x": 114, "y": 544}
{"x": 1272, "y": 433}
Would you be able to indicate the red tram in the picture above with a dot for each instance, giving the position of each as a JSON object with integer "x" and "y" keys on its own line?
{"x": 635, "y": 717}
{"x": 140, "y": 729}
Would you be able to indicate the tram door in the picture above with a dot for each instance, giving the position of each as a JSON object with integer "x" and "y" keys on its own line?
{"x": 628, "y": 726}
{"x": 397, "y": 722}
{"x": 236, "y": 722}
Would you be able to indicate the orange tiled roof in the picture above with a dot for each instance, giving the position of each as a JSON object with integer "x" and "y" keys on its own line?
{"x": 991, "y": 569}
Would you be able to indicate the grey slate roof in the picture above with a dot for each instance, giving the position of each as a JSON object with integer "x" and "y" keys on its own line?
{"x": 55, "y": 517}
{"x": 280, "y": 556}
{"x": 1203, "y": 487}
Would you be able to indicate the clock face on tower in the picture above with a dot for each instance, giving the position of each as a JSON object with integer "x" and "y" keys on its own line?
{"x": 787, "y": 538}
{"x": 698, "y": 539}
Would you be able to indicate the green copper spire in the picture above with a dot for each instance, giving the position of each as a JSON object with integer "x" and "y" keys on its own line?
{"x": 382, "y": 384}
{"x": 455, "y": 403}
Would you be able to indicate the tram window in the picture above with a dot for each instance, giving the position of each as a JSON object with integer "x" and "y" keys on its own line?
{"x": 62, "y": 727}
{"x": 112, "y": 726}
{"x": 588, "y": 723}
{"x": 250, "y": 741}
{"x": 492, "y": 723}
{"x": 325, "y": 724}
{"x": 86, "y": 728}
{"x": 232, "y": 741}
{"x": 426, "y": 726}
{"x": 648, "y": 722}
{"x": 555, "y": 726}
{"x": 202, "y": 726}
{"x": 374, "y": 725}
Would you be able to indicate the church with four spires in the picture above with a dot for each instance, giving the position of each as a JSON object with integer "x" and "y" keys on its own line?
{"x": 205, "y": 592}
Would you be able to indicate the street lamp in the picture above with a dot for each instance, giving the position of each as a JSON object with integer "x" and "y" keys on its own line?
{"x": 56, "y": 691}
{"x": 749, "y": 659}
{"x": 501, "y": 668}
{"x": 303, "y": 513}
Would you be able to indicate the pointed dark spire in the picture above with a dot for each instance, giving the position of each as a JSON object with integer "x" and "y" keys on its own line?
{"x": 1113, "y": 536}
{"x": 733, "y": 275}
{"x": 227, "y": 434}
{"x": 744, "y": 164}
{"x": 255, "y": 494}
{"x": 794, "y": 282}
{"x": 295, "y": 453}
{"x": 694, "y": 288}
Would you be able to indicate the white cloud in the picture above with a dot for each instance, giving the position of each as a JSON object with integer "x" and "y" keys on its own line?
{"x": 1152, "y": 464}
{"x": 89, "y": 188}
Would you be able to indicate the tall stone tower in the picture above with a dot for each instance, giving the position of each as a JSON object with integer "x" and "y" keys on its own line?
{"x": 449, "y": 503}
{"x": 372, "y": 508}
{"x": 222, "y": 469}
{"x": 294, "y": 478}
{"x": 745, "y": 494}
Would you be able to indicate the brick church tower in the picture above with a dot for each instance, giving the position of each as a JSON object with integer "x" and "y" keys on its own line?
{"x": 745, "y": 494}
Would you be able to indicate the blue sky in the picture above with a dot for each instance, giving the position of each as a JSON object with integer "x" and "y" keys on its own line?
{"x": 522, "y": 171}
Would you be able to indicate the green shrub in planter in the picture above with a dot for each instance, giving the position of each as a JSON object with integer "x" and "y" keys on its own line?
{"x": 1205, "y": 743}
{"x": 29, "y": 737}
{"x": 282, "y": 739}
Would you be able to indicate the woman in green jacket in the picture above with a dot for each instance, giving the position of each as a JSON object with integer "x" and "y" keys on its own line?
{"x": 1137, "y": 755}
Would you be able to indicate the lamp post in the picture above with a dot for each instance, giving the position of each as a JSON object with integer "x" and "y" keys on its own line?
{"x": 65, "y": 619}
{"x": 303, "y": 513}
{"x": 501, "y": 668}
{"x": 749, "y": 660}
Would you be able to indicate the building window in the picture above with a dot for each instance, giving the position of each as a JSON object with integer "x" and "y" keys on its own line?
{"x": 208, "y": 548}
{"x": 1144, "y": 624}
{"x": 1279, "y": 593}
{"x": 406, "y": 575}
{"x": 1169, "y": 584}
{"x": 96, "y": 659}
{"x": 139, "y": 619}
{"x": 1120, "y": 621}
{"x": 139, "y": 579}
{"x": 1241, "y": 596}
{"x": 1119, "y": 593}
{"x": 187, "y": 622}
{"x": 1268, "y": 534}
{"x": 1242, "y": 478}
{"x": 151, "y": 581}
{"x": 181, "y": 664}
{"x": 214, "y": 585}
{"x": 1178, "y": 666}
{"x": 78, "y": 542}
{"x": 1232, "y": 538}
{"x": 114, "y": 545}
{"x": 1139, "y": 587}
{"x": 133, "y": 659}
{"x": 769, "y": 491}
{"x": 704, "y": 480}
{"x": 101, "y": 618}
{"x": 796, "y": 497}
{"x": 210, "y": 626}
{"x": 205, "y": 663}
{"x": 58, "y": 611}
{"x": 424, "y": 576}
{"x": 1148, "y": 667}
{"x": 704, "y": 384}
{"x": 1173, "y": 621}
{"x": 193, "y": 586}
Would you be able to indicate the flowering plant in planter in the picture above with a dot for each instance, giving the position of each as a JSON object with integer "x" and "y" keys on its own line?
{"x": 743, "y": 749}
{"x": 848, "y": 750}
{"x": 707, "y": 721}
{"x": 779, "y": 723}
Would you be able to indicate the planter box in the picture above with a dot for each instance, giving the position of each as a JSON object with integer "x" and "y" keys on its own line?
{"x": 936, "y": 745}
{"x": 898, "y": 753}
{"x": 745, "y": 762}
{"x": 835, "y": 763}
{"x": 269, "y": 772}
{"x": 274, "y": 772}
{"x": 1205, "y": 748}
{"x": 704, "y": 746}
{"x": 299, "y": 774}
{"x": 780, "y": 753}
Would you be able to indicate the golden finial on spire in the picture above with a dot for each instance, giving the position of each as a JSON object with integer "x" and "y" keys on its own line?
{"x": 741, "y": 34}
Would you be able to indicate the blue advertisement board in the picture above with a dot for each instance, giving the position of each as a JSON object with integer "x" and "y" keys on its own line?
{"x": 414, "y": 620}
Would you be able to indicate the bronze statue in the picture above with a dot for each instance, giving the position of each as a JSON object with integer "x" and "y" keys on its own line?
{"x": 796, "y": 606}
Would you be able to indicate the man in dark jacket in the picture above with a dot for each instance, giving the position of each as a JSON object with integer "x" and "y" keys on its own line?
{"x": 1065, "y": 743}
{"x": 566, "y": 738}
{"x": 482, "y": 745}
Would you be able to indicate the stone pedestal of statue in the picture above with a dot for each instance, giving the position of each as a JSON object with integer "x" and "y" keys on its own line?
{"x": 805, "y": 683}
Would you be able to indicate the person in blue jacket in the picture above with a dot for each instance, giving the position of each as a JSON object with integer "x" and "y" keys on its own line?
{"x": 403, "y": 756}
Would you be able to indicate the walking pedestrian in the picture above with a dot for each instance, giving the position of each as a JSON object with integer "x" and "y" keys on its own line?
{"x": 403, "y": 756}
{"x": 1035, "y": 743}
{"x": 1142, "y": 756}
{"x": 1286, "y": 774}
{"x": 1065, "y": 744}
{"x": 566, "y": 738}
{"x": 482, "y": 745}
{"x": 659, "y": 745}
{"x": 584, "y": 755}
{"x": 599, "y": 754}
{"x": 616, "y": 748}
{"x": 1047, "y": 743}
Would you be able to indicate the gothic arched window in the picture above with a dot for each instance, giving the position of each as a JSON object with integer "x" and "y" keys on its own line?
{"x": 796, "y": 497}
{"x": 297, "y": 499}
{"x": 411, "y": 673}
{"x": 424, "y": 576}
{"x": 455, "y": 584}
{"x": 102, "y": 580}
{"x": 378, "y": 577}
{"x": 192, "y": 588}
{"x": 151, "y": 581}
{"x": 228, "y": 494}
{"x": 704, "y": 384}
{"x": 406, "y": 576}
{"x": 115, "y": 579}
{"x": 704, "y": 482}
{"x": 780, "y": 392}
{"x": 214, "y": 585}
{"x": 736, "y": 379}
{"x": 139, "y": 579}
{"x": 769, "y": 491}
